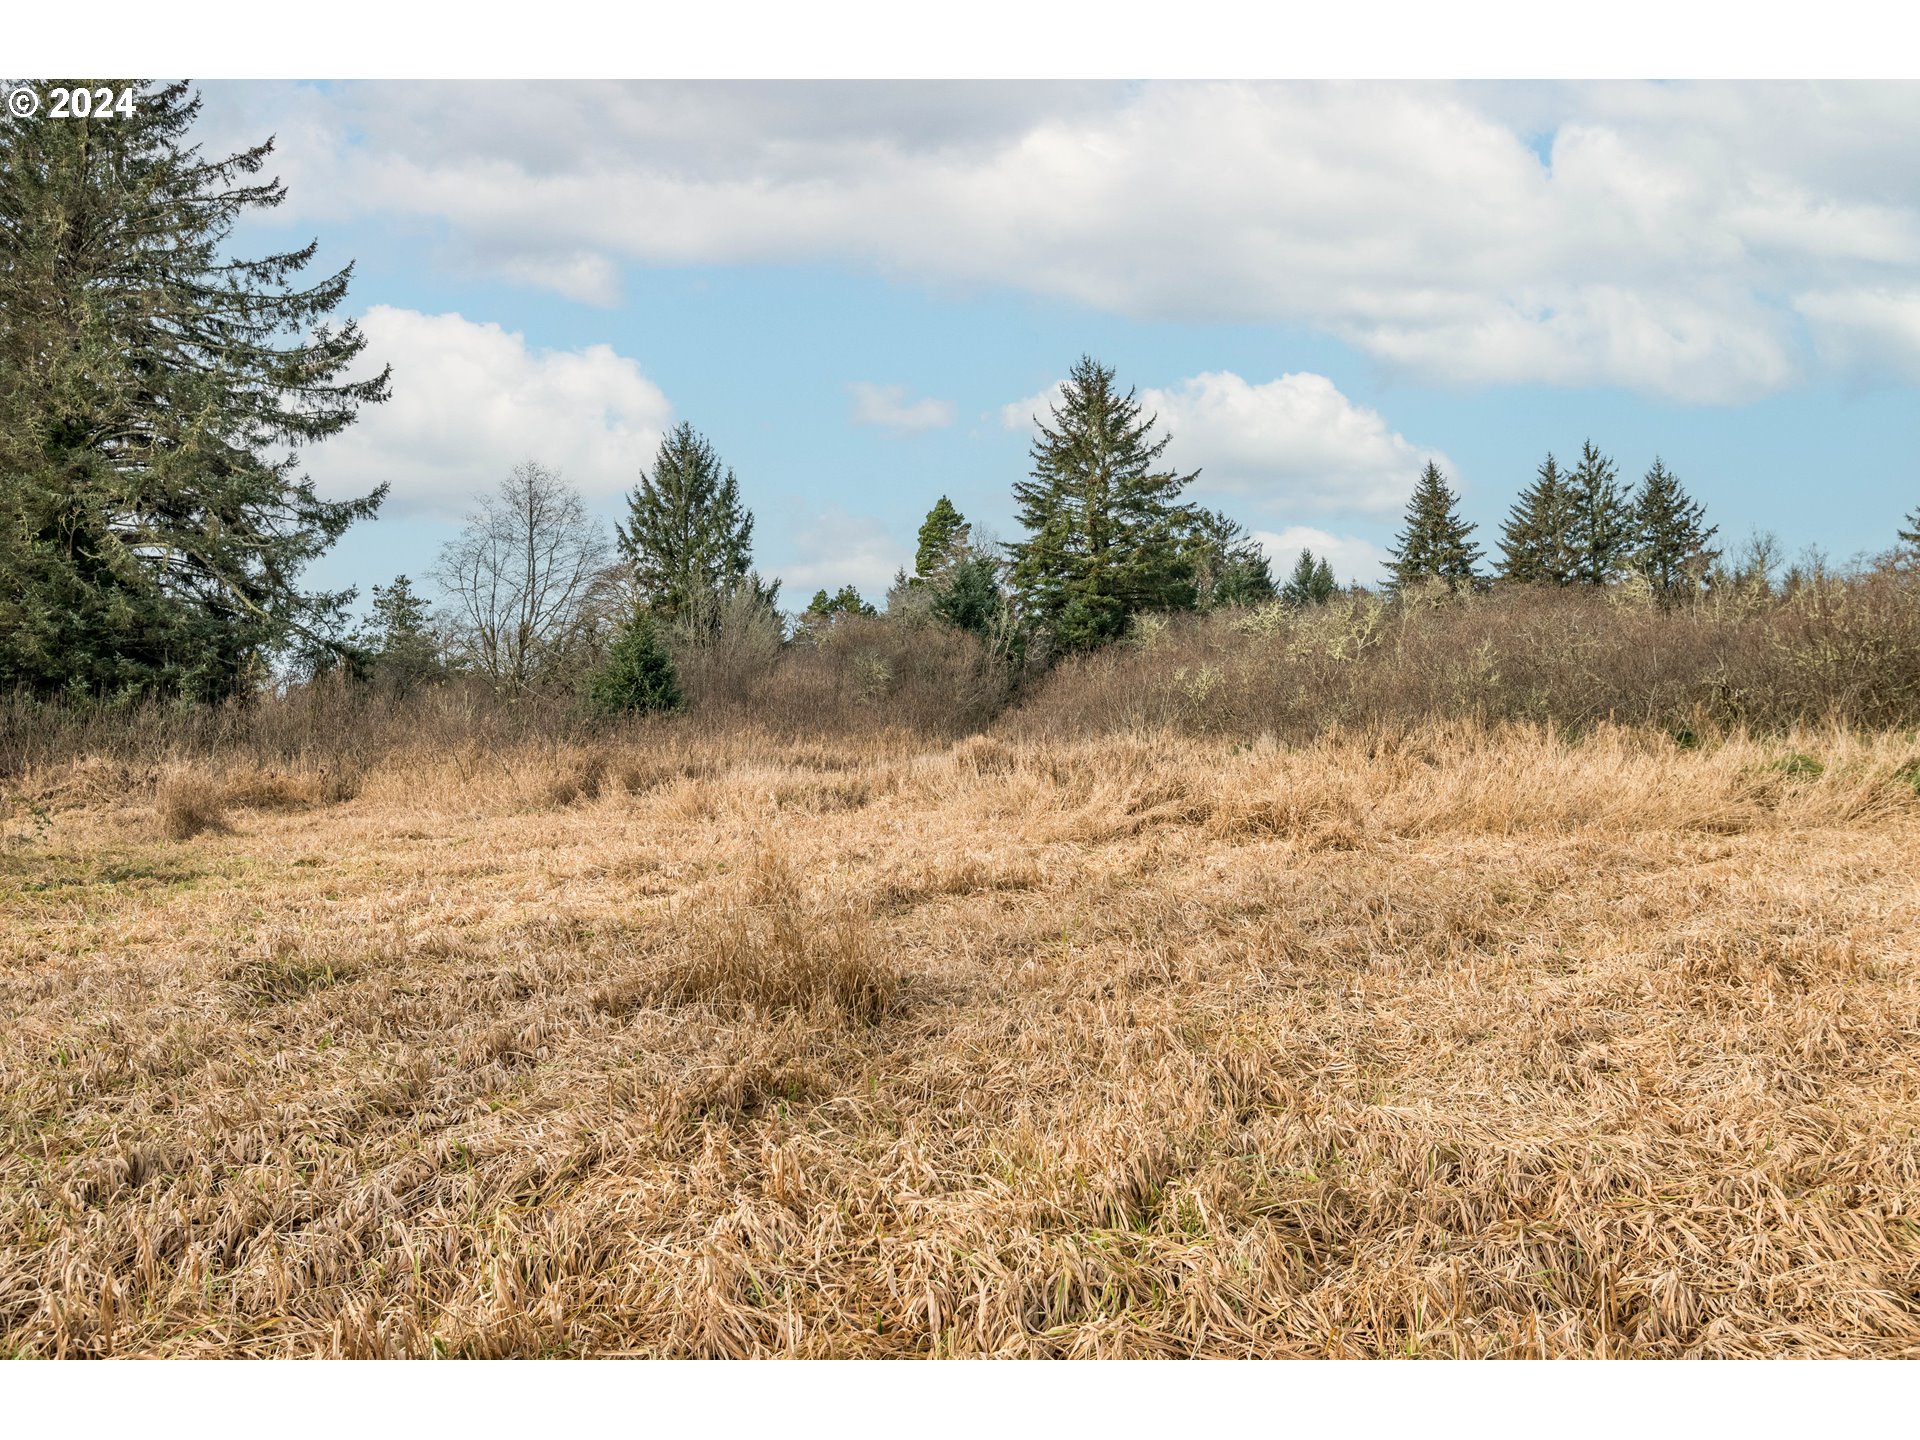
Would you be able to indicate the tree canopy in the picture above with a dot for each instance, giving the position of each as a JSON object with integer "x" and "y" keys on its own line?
{"x": 1536, "y": 542}
{"x": 1310, "y": 583}
{"x": 1103, "y": 518}
{"x": 1671, "y": 535}
{"x": 155, "y": 395}
{"x": 687, "y": 537}
{"x": 1600, "y": 530}
{"x": 1435, "y": 542}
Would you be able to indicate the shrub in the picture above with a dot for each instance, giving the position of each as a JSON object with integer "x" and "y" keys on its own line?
{"x": 638, "y": 676}
{"x": 1838, "y": 650}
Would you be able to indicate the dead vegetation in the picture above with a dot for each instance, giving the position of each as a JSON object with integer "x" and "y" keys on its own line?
{"x": 1446, "y": 1040}
{"x": 189, "y": 804}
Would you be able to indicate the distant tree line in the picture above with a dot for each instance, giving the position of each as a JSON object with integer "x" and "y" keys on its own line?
{"x": 155, "y": 393}
{"x": 1579, "y": 527}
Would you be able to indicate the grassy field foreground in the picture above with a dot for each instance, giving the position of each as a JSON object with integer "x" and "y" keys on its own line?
{"x": 1470, "y": 1043}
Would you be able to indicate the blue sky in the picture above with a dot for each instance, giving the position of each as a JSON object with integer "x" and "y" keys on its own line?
{"x": 858, "y": 291}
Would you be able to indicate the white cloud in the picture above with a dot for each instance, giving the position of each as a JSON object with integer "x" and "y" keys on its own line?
{"x": 1022, "y": 414}
{"x": 1353, "y": 560}
{"x": 1294, "y": 442}
{"x": 1866, "y": 331}
{"x": 580, "y": 275}
{"x": 830, "y": 547}
{"x": 1291, "y": 443}
{"x": 1648, "y": 248}
{"x": 888, "y": 407}
{"x": 471, "y": 400}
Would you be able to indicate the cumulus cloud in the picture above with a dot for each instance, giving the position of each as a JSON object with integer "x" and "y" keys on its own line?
{"x": 1294, "y": 442}
{"x": 1022, "y": 414}
{"x": 887, "y": 407}
{"x": 471, "y": 400}
{"x": 1354, "y": 561}
{"x": 1647, "y": 247}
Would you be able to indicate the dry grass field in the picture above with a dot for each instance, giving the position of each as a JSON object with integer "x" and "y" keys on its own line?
{"x": 1469, "y": 1043}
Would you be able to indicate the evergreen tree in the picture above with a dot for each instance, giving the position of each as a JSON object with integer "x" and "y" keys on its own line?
{"x": 1602, "y": 531}
{"x": 1311, "y": 582}
{"x": 955, "y": 581}
{"x": 1672, "y": 534}
{"x": 398, "y": 647}
{"x": 155, "y": 392}
{"x": 687, "y": 537}
{"x": 844, "y": 601}
{"x": 1102, "y": 521}
{"x": 825, "y": 610}
{"x": 1225, "y": 566}
{"x": 1911, "y": 535}
{"x": 944, "y": 530}
{"x": 1536, "y": 542}
{"x": 970, "y": 599}
{"x": 638, "y": 675}
{"x": 1437, "y": 543}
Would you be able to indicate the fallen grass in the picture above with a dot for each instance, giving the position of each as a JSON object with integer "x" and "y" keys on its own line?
{"x": 1460, "y": 1042}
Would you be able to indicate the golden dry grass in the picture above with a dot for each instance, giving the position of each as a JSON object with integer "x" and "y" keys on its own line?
{"x": 1470, "y": 1043}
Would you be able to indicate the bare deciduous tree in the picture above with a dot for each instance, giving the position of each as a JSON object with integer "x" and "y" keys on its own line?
{"x": 523, "y": 576}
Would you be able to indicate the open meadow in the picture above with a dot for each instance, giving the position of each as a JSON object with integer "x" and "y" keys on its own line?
{"x": 1460, "y": 1040}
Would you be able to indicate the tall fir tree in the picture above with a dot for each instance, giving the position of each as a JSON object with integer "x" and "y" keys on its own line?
{"x": 943, "y": 531}
{"x": 1671, "y": 535}
{"x": 955, "y": 581}
{"x": 1310, "y": 583}
{"x": 1436, "y": 543}
{"x": 687, "y": 537}
{"x": 155, "y": 395}
{"x": 1536, "y": 542}
{"x": 1103, "y": 520}
{"x": 1602, "y": 531}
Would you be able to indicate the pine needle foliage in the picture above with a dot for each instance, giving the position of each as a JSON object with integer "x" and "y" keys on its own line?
{"x": 1436, "y": 544}
{"x": 1672, "y": 533}
{"x": 944, "y": 530}
{"x": 1103, "y": 517}
{"x": 638, "y": 677}
{"x": 1227, "y": 566}
{"x": 1602, "y": 530}
{"x": 155, "y": 395}
{"x": 1310, "y": 583}
{"x": 397, "y": 647}
{"x": 1536, "y": 541}
{"x": 687, "y": 537}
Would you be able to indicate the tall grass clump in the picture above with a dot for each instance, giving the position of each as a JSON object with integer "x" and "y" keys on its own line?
{"x": 759, "y": 943}
{"x": 190, "y": 804}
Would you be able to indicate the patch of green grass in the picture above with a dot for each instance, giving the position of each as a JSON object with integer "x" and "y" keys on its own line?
{"x": 49, "y": 874}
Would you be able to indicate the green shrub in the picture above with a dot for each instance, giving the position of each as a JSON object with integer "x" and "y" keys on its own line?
{"x": 638, "y": 675}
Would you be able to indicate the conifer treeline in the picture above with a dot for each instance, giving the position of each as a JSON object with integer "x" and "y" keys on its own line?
{"x": 1567, "y": 528}
{"x": 155, "y": 392}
